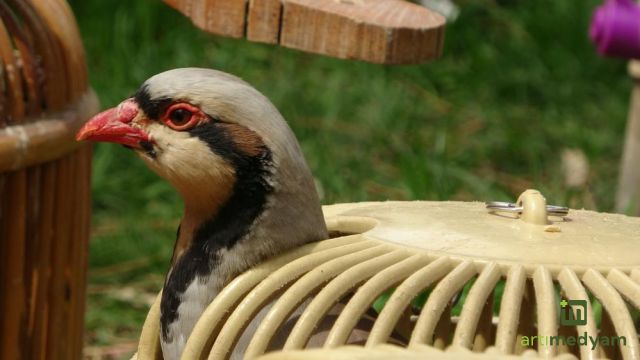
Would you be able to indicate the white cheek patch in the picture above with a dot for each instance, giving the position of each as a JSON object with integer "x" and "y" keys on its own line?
{"x": 189, "y": 164}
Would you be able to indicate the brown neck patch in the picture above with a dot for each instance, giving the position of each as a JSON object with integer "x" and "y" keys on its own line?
{"x": 246, "y": 140}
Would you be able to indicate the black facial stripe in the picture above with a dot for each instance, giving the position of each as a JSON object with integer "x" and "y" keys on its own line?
{"x": 220, "y": 142}
{"x": 148, "y": 148}
{"x": 232, "y": 222}
{"x": 152, "y": 107}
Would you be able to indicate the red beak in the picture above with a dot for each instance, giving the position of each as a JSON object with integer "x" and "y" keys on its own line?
{"x": 113, "y": 125}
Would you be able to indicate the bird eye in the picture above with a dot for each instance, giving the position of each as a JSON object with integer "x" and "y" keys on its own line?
{"x": 182, "y": 116}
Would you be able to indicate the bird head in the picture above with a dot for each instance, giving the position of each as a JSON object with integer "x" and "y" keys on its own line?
{"x": 222, "y": 145}
{"x": 247, "y": 190}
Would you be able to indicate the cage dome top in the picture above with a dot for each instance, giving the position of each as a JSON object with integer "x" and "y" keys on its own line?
{"x": 467, "y": 230}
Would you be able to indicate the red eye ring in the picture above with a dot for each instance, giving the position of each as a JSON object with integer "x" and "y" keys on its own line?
{"x": 182, "y": 116}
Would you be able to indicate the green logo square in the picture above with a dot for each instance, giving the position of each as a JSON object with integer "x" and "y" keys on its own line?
{"x": 573, "y": 314}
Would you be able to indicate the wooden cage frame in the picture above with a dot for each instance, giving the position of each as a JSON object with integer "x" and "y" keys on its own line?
{"x": 45, "y": 195}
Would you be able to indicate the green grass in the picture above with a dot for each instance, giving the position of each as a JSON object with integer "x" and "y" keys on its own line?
{"x": 518, "y": 83}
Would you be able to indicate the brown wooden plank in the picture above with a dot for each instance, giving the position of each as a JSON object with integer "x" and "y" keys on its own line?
{"x": 222, "y": 17}
{"x": 173, "y": 3}
{"x": 378, "y": 31}
{"x": 263, "y": 21}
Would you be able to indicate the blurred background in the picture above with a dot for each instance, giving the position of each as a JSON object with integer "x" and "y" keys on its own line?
{"x": 518, "y": 100}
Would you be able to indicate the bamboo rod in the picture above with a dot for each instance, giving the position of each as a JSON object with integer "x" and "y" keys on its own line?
{"x": 3, "y": 242}
{"x": 24, "y": 54}
{"x": 49, "y": 54}
{"x": 37, "y": 142}
{"x": 32, "y": 245}
{"x": 62, "y": 26}
{"x": 74, "y": 51}
{"x": 14, "y": 207}
{"x": 14, "y": 88}
{"x": 69, "y": 303}
{"x": 4, "y": 249}
{"x": 30, "y": 27}
{"x": 76, "y": 259}
{"x": 56, "y": 293}
{"x": 43, "y": 268}
{"x": 66, "y": 205}
{"x": 527, "y": 312}
{"x": 70, "y": 266}
{"x": 49, "y": 14}
{"x": 84, "y": 226}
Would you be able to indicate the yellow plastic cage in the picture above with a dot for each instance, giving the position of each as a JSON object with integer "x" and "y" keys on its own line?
{"x": 504, "y": 280}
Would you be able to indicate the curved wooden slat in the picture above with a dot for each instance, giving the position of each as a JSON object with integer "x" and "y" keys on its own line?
{"x": 473, "y": 305}
{"x": 627, "y": 287}
{"x": 575, "y": 291}
{"x": 367, "y": 294}
{"x": 211, "y": 320}
{"x": 299, "y": 291}
{"x": 333, "y": 292}
{"x": 438, "y": 300}
{"x": 510, "y": 310}
{"x": 617, "y": 310}
{"x": 402, "y": 296}
{"x": 257, "y": 298}
{"x": 546, "y": 310}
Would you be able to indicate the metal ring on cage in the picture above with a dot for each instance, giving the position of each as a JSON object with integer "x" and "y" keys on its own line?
{"x": 503, "y": 206}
